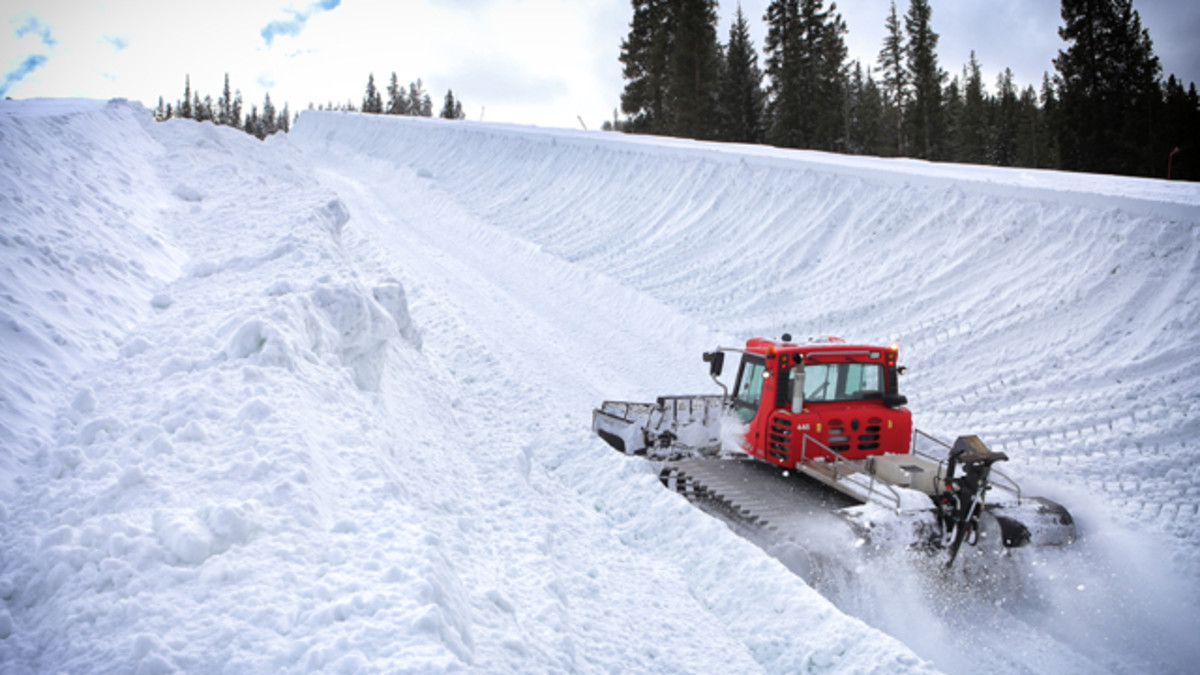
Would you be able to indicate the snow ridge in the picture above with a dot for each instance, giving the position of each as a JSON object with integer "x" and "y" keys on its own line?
{"x": 1054, "y": 314}
{"x": 321, "y": 403}
{"x": 256, "y": 461}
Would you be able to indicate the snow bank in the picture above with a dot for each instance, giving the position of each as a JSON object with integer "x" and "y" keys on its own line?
{"x": 206, "y": 485}
{"x": 1053, "y": 314}
{"x": 81, "y": 251}
{"x": 258, "y": 464}
{"x": 321, "y": 403}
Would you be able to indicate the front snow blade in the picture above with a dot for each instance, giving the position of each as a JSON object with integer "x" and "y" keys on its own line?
{"x": 1035, "y": 521}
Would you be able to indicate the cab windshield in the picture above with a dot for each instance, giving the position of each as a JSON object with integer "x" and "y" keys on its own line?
{"x": 842, "y": 381}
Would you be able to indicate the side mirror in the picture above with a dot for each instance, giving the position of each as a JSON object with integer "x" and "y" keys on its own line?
{"x": 715, "y": 361}
{"x": 894, "y": 400}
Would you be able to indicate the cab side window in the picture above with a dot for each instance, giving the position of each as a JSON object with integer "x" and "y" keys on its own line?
{"x": 748, "y": 391}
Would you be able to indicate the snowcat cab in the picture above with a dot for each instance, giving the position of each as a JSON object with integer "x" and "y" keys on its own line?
{"x": 833, "y": 412}
{"x": 806, "y": 402}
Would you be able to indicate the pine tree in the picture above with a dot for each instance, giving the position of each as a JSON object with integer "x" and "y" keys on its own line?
{"x": 743, "y": 102}
{"x": 672, "y": 64}
{"x": 235, "y": 112}
{"x": 832, "y": 75}
{"x": 419, "y": 104}
{"x": 372, "y": 101}
{"x": 1110, "y": 92}
{"x": 1049, "y": 120}
{"x": 252, "y": 123}
{"x": 806, "y": 70}
{"x": 451, "y": 109}
{"x": 206, "y": 112}
{"x": 1029, "y": 130}
{"x": 1006, "y": 122}
{"x": 695, "y": 69}
{"x": 184, "y": 109}
{"x": 952, "y": 116}
{"x": 1181, "y": 131}
{"x": 644, "y": 58}
{"x": 871, "y": 118}
{"x": 284, "y": 121}
{"x": 397, "y": 103}
{"x": 925, "y": 113}
{"x": 783, "y": 71}
{"x": 972, "y": 137}
{"x": 225, "y": 105}
{"x": 895, "y": 84}
{"x": 865, "y": 113}
{"x": 266, "y": 122}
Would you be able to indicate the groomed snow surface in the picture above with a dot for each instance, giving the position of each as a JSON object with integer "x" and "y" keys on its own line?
{"x": 322, "y": 403}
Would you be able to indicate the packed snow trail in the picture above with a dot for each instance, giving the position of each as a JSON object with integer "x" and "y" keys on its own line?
{"x": 234, "y": 445}
{"x": 520, "y": 334}
{"x": 1055, "y": 314}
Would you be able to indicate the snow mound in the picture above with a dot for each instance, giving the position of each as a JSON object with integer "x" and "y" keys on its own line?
{"x": 1053, "y": 314}
{"x": 321, "y": 403}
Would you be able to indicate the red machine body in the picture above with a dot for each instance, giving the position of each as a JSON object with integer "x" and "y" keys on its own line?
{"x": 833, "y": 412}
{"x": 800, "y": 401}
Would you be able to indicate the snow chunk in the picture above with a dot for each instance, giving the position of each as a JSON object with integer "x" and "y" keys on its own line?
{"x": 333, "y": 216}
{"x": 361, "y": 331}
{"x": 254, "y": 411}
{"x": 92, "y": 430}
{"x": 256, "y": 338}
{"x": 146, "y": 649}
{"x": 279, "y": 287}
{"x": 134, "y": 347}
{"x": 176, "y": 364}
{"x": 85, "y": 402}
{"x": 59, "y": 536}
{"x": 161, "y": 300}
{"x": 390, "y": 295}
{"x": 192, "y": 431}
{"x": 230, "y": 524}
{"x": 183, "y": 535}
{"x": 200, "y": 269}
{"x": 131, "y": 477}
{"x": 187, "y": 193}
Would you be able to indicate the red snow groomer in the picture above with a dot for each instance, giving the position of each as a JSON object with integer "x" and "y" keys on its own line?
{"x": 833, "y": 412}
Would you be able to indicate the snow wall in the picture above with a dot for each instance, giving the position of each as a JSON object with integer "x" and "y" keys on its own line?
{"x": 1056, "y": 315}
{"x": 225, "y": 448}
{"x": 228, "y": 444}
{"x": 1053, "y": 314}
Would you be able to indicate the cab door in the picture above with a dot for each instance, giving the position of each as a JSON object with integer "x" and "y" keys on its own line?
{"x": 749, "y": 401}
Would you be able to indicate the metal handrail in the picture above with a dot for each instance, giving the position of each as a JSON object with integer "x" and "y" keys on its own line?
{"x": 1012, "y": 486}
{"x": 871, "y": 484}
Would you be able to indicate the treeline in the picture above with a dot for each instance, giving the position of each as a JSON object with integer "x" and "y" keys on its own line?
{"x": 1106, "y": 108}
{"x": 228, "y": 109}
{"x": 413, "y": 101}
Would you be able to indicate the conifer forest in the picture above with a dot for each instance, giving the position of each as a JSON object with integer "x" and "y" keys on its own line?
{"x": 1105, "y": 106}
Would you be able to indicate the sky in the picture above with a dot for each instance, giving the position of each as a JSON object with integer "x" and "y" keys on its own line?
{"x": 540, "y": 62}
